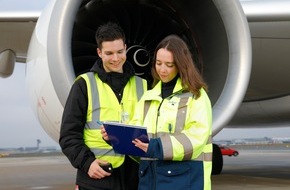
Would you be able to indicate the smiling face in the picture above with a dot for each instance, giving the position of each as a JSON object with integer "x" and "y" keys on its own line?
{"x": 113, "y": 55}
{"x": 164, "y": 65}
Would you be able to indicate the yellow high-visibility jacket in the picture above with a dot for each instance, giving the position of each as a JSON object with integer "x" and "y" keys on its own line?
{"x": 180, "y": 146}
{"x": 103, "y": 105}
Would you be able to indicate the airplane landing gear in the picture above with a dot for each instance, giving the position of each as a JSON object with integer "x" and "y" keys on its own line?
{"x": 217, "y": 160}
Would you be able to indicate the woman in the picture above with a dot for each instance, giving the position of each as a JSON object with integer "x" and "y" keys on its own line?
{"x": 178, "y": 115}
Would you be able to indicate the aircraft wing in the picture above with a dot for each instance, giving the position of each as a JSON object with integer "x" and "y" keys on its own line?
{"x": 17, "y": 22}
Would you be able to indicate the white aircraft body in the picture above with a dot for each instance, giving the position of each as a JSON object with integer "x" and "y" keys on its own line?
{"x": 241, "y": 47}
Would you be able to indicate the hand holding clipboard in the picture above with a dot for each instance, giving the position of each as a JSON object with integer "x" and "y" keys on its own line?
{"x": 121, "y": 136}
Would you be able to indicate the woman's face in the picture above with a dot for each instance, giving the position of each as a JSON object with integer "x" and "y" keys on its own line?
{"x": 165, "y": 66}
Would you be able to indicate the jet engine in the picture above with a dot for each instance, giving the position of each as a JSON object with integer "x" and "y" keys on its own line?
{"x": 216, "y": 31}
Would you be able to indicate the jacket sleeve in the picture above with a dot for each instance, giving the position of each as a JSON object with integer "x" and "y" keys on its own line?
{"x": 155, "y": 149}
{"x": 198, "y": 125}
{"x": 192, "y": 141}
{"x": 72, "y": 127}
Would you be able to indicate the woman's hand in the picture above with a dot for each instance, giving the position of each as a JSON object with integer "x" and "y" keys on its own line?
{"x": 140, "y": 144}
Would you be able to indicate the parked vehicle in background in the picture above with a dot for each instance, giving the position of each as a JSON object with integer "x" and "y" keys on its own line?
{"x": 225, "y": 150}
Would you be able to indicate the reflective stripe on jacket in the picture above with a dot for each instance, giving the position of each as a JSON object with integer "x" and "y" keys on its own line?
{"x": 103, "y": 105}
{"x": 183, "y": 125}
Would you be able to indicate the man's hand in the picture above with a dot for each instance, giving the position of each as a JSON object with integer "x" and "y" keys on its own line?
{"x": 95, "y": 170}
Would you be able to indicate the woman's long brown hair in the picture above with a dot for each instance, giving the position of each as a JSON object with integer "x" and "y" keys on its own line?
{"x": 191, "y": 79}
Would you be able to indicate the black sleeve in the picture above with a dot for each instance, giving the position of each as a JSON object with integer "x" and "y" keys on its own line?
{"x": 72, "y": 127}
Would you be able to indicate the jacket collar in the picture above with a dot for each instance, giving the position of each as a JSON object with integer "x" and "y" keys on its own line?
{"x": 155, "y": 93}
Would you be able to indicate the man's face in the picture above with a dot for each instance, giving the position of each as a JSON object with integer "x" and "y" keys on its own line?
{"x": 113, "y": 55}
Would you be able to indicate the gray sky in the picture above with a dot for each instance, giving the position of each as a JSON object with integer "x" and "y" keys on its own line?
{"x": 278, "y": 132}
{"x": 20, "y": 128}
{"x": 18, "y": 125}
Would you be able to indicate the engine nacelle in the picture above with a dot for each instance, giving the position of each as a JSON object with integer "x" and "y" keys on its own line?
{"x": 216, "y": 31}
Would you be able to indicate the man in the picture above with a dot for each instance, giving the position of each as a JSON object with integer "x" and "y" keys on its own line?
{"x": 108, "y": 93}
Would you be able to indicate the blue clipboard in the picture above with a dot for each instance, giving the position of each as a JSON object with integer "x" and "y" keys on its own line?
{"x": 121, "y": 136}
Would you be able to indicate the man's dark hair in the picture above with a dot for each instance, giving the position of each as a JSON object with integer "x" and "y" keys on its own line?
{"x": 109, "y": 32}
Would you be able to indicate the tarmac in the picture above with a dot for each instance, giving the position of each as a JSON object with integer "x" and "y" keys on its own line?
{"x": 251, "y": 170}
{"x": 255, "y": 169}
